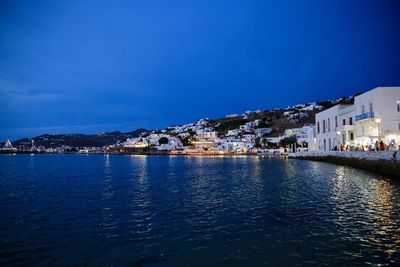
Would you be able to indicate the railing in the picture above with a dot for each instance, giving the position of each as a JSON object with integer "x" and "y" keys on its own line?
{"x": 364, "y": 116}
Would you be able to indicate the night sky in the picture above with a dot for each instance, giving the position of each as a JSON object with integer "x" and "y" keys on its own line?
{"x": 92, "y": 66}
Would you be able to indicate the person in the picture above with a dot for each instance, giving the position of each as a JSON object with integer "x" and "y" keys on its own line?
{"x": 381, "y": 146}
{"x": 394, "y": 156}
{"x": 376, "y": 145}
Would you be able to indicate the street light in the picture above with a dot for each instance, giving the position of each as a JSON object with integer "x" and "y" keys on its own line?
{"x": 378, "y": 121}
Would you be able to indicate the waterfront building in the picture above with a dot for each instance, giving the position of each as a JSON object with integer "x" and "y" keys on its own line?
{"x": 367, "y": 118}
{"x": 202, "y": 144}
{"x": 236, "y": 145}
{"x": 136, "y": 142}
{"x": 305, "y": 136}
{"x": 173, "y": 144}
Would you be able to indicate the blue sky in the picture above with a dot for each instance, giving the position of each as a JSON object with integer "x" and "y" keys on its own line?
{"x": 92, "y": 66}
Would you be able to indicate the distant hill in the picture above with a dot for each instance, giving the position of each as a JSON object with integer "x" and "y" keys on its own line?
{"x": 78, "y": 140}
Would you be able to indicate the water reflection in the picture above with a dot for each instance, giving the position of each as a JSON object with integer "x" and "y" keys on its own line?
{"x": 380, "y": 207}
{"x": 364, "y": 210}
{"x": 141, "y": 213}
{"x": 109, "y": 223}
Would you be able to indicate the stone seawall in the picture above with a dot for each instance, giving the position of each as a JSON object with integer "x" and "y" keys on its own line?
{"x": 375, "y": 161}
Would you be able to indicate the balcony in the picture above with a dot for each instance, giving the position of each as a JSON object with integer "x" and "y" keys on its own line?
{"x": 364, "y": 116}
{"x": 349, "y": 128}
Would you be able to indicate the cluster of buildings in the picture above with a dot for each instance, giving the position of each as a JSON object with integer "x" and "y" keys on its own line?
{"x": 370, "y": 121}
{"x": 9, "y": 148}
{"x": 365, "y": 122}
{"x": 201, "y": 138}
{"x": 34, "y": 149}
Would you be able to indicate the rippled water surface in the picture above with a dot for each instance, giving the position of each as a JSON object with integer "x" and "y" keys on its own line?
{"x": 192, "y": 211}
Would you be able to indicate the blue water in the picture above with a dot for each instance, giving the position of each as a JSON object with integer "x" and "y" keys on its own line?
{"x": 58, "y": 210}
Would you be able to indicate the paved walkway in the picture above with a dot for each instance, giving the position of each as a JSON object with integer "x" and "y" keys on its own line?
{"x": 370, "y": 155}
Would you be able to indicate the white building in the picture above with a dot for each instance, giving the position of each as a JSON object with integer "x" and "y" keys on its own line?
{"x": 305, "y": 136}
{"x": 248, "y": 137}
{"x": 136, "y": 142}
{"x": 236, "y": 145}
{"x": 374, "y": 116}
{"x": 173, "y": 143}
{"x": 234, "y": 132}
{"x": 274, "y": 140}
{"x": 209, "y": 135}
{"x": 260, "y": 132}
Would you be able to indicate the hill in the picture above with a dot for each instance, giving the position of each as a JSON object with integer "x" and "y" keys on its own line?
{"x": 78, "y": 140}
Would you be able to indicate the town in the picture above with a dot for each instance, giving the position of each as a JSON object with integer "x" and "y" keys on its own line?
{"x": 365, "y": 122}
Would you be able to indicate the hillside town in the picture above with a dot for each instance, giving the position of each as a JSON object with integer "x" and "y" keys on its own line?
{"x": 364, "y": 122}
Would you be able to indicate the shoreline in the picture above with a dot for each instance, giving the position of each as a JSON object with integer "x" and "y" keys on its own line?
{"x": 388, "y": 168}
{"x": 157, "y": 154}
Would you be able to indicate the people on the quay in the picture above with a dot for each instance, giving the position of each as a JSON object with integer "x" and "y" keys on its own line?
{"x": 394, "y": 156}
{"x": 382, "y": 146}
{"x": 377, "y": 145}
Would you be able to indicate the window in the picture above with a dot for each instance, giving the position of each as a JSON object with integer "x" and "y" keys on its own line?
{"x": 329, "y": 125}
{"x": 351, "y": 136}
{"x": 398, "y": 105}
{"x": 318, "y": 126}
{"x": 335, "y": 121}
{"x": 399, "y": 125}
{"x": 371, "y": 108}
{"x": 323, "y": 126}
{"x": 344, "y": 122}
{"x": 351, "y": 121}
{"x": 362, "y": 109}
{"x": 330, "y": 145}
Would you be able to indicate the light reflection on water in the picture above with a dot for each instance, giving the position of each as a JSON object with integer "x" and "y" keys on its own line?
{"x": 365, "y": 211}
{"x": 194, "y": 211}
